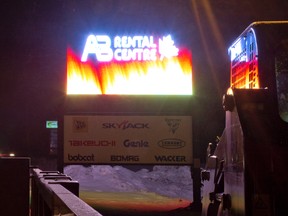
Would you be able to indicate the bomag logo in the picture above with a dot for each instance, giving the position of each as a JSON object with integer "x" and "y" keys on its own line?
{"x": 171, "y": 143}
{"x": 80, "y": 125}
{"x": 81, "y": 158}
{"x": 125, "y": 158}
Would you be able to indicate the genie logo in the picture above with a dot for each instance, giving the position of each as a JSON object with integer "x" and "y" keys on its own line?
{"x": 81, "y": 158}
{"x": 136, "y": 143}
{"x": 128, "y": 48}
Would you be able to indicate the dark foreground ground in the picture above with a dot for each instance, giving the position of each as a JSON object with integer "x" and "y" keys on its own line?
{"x": 138, "y": 204}
{"x": 177, "y": 212}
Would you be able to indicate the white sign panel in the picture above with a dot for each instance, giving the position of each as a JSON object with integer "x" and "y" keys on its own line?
{"x": 127, "y": 139}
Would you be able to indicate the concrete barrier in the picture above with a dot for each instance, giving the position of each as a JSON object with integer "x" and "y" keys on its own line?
{"x": 54, "y": 193}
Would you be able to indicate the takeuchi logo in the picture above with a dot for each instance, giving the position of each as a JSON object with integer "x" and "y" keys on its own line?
{"x": 128, "y": 48}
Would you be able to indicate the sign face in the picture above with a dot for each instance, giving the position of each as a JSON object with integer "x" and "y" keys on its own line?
{"x": 51, "y": 124}
{"x": 138, "y": 48}
{"x": 130, "y": 65}
{"x": 128, "y": 140}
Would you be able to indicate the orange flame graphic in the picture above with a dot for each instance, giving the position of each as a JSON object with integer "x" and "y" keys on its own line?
{"x": 168, "y": 77}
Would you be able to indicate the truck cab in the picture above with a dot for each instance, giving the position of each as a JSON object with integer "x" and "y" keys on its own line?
{"x": 246, "y": 174}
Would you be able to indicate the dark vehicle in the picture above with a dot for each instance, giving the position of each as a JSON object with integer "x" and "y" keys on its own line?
{"x": 247, "y": 174}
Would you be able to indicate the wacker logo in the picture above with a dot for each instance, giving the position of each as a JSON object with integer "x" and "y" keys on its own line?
{"x": 80, "y": 158}
{"x": 170, "y": 158}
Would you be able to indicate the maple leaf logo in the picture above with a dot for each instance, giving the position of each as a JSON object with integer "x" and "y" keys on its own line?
{"x": 167, "y": 49}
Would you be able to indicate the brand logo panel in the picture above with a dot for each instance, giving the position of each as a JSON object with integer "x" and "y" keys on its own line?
{"x": 99, "y": 139}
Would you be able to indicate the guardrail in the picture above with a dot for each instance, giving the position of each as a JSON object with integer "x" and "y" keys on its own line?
{"x": 54, "y": 193}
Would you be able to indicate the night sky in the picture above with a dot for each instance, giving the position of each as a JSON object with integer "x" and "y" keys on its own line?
{"x": 34, "y": 36}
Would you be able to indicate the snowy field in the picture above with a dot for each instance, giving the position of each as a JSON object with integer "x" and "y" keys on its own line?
{"x": 170, "y": 181}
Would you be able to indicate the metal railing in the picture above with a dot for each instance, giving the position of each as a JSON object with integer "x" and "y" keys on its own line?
{"x": 54, "y": 193}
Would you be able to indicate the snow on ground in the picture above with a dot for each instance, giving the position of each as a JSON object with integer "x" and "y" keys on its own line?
{"x": 171, "y": 181}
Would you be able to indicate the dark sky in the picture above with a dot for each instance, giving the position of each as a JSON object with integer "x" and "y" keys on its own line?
{"x": 32, "y": 69}
{"x": 34, "y": 35}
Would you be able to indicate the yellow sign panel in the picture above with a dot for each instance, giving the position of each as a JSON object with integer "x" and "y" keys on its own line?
{"x": 127, "y": 139}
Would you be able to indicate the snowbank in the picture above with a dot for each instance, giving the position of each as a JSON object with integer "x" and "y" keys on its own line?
{"x": 171, "y": 181}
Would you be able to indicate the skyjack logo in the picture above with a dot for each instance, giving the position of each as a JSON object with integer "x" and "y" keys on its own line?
{"x": 127, "y": 48}
{"x": 125, "y": 125}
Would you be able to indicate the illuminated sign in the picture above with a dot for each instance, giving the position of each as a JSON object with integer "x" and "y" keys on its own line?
{"x": 51, "y": 124}
{"x": 128, "y": 48}
{"x": 244, "y": 62}
{"x": 138, "y": 65}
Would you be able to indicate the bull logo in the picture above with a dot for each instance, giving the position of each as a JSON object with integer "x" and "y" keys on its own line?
{"x": 173, "y": 124}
